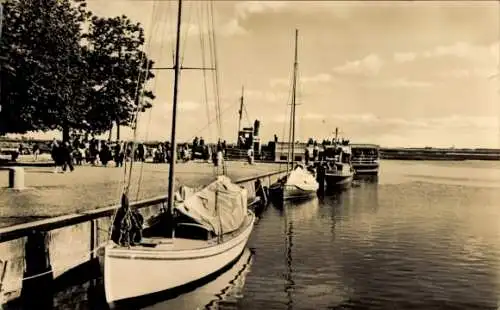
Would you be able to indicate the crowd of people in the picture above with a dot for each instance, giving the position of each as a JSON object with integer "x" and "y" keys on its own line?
{"x": 94, "y": 152}
{"x": 65, "y": 154}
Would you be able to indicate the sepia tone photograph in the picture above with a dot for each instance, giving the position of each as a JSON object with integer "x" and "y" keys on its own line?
{"x": 222, "y": 154}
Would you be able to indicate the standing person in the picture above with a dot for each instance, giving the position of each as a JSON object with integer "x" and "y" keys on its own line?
{"x": 93, "y": 150}
{"x": 118, "y": 155}
{"x": 36, "y": 151}
{"x": 224, "y": 148}
{"x": 66, "y": 158}
{"x": 219, "y": 156}
{"x": 141, "y": 152}
{"x": 56, "y": 155}
{"x": 104, "y": 154}
{"x": 315, "y": 151}
{"x": 250, "y": 156}
{"x": 81, "y": 153}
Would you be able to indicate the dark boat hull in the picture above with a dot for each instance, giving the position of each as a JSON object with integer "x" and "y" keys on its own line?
{"x": 366, "y": 169}
{"x": 338, "y": 182}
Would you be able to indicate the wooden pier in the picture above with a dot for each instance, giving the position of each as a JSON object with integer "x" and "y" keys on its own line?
{"x": 38, "y": 252}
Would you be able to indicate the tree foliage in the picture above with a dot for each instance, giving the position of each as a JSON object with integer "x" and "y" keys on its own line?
{"x": 114, "y": 46}
{"x": 63, "y": 78}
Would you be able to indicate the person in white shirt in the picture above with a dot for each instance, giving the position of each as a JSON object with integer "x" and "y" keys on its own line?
{"x": 250, "y": 156}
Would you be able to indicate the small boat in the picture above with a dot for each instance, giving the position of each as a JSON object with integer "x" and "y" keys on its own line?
{"x": 300, "y": 183}
{"x": 365, "y": 159}
{"x": 198, "y": 234}
{"x": 337, "y": 165}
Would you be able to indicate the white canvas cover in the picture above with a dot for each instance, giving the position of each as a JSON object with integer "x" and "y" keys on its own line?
{"x": 228, "y": 214}
{"x": 302, "y": 178}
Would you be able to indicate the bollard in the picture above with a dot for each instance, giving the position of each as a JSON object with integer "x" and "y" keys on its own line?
{"x": 16, "y": 178}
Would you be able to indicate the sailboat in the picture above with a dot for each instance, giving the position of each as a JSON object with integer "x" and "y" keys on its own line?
{"x": 300, "y": 183}
{"x": 199, "y": 233}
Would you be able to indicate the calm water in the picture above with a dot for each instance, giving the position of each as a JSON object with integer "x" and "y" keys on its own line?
{"x": 426, "y": 236}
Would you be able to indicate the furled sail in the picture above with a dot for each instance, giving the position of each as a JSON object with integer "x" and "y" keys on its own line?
{"x": 220, "y": 207}
{"x": 301, "y": 178}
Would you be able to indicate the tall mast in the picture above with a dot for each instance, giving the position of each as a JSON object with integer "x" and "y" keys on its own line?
{"x": 240, "y": 112}
{"x": 174, "y": 116}
{"x": 294, "y": 87}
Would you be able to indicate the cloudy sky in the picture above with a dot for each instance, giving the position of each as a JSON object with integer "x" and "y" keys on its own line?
{"x": 396, "y": 74}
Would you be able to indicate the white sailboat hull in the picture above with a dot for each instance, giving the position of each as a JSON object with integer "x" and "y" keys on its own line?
{"x": 295, "y": 192}
{"x": 139, "y": 271}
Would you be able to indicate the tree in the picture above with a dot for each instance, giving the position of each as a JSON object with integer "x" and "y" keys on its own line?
{"x": 63, "y": 78}
{"x": 119, "y": 73}
{"x": 41, "y": 42}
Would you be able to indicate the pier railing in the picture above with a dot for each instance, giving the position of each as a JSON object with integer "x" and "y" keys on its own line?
{"x": 21, "y": 230}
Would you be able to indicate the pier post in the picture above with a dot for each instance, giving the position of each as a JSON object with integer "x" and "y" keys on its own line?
{"x": 320, "y": 177}
{"x": 93, "y": 238}
{"x": 16, "y": 178}
{"x": 36, "y": 291}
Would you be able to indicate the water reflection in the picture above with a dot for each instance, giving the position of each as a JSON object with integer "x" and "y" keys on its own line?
{"x": 226, "y": 288}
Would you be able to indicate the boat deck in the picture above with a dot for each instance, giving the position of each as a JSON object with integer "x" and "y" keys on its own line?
{"x": 182, "y": 244}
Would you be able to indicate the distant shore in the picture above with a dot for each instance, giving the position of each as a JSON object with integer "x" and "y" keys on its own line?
{"x": 439, "y": 154}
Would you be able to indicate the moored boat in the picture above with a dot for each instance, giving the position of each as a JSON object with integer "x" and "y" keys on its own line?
{"x": 300, "y": 183}
{"x": 199, "y": 233}
{"x": 365, "y": 159}
{"x": 214, "y": 225}
{"x": 339, "y": 172}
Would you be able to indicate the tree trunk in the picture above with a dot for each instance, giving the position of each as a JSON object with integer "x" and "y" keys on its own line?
{"x": 65, "y": 133}
{"x": 117, "y": 130}
{"x": 110, "y": 133}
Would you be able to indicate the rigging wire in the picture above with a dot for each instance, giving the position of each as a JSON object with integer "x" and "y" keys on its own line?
{"x": 156, "y": 29}
{"x": 203, "y": 60}
{"x": 213, "y": 119}
{"x": 184, "y": 42}
{"x": 139, "y": 97}
{"x": 216, "y": 76}
{"x": 133, "y": 123}
{"x": 287, "y": 107}
{"x": 171, "y": 20}
{"x": 247, "y": 115}
{"x": 204, "y": 30}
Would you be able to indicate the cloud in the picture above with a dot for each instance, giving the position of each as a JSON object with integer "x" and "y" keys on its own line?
{"x": 245, "y": 8}
{"x": 469, "y": 73}
{"x": 448, "y": 122}
{"x": 232, "y": 27}
{"x": 279, "y": 82}
{"x": 404, "y": 57}
{"x": 313, "y": 79}
{"x": 319, "y": 78}
{"x": 368, "y": 66}
{"x": 404, "y": 83}
{"x": 313, "y": 116}
{"x": 462, "y": 50}
{"x": 188, "y": 106}
{"x": 280, "y": 118}
{"x": 268, "y": 96}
